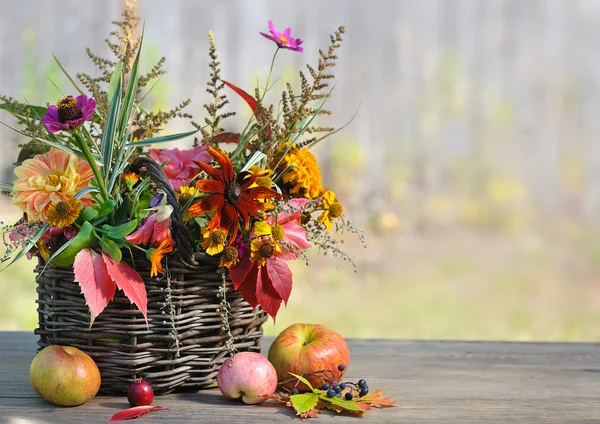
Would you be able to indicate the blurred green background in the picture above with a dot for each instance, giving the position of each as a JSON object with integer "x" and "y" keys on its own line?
{"x": 473, "y": 165}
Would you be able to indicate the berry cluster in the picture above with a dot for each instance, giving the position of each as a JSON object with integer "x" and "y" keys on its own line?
{"x": 359, "y": 389}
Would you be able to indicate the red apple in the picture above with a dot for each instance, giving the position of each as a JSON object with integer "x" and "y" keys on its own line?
{"x": 308, "y": 348}
{"x": 248, "y": 375}
{"x": 64, "y": 375}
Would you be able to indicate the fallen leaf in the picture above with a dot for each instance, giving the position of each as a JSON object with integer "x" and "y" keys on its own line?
{"x": 131, "y": 413}
{"x": 376, "y": 400}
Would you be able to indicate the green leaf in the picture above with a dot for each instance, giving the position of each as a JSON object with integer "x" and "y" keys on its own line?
{"x": 121, "y": 212}
{"x": 110, "y": 248}
{"x": 256, "y": 158}
{"x": 87, "y": 214}
{"x": 116, "y": 78}
{"x": 67, "y": 75}
{"x": 120, "y": 231}
{"x": 346, "y": 404}
{"x": 303, "y": 380}
{"x": 162, "y": 139}
{"x": 105, "y": 208}
{"x": 131, "y": 91}
{"x": 6, "y": 186}
{"x": 83, "y": 239}
{"x": 108, "y": 137}
{"x": 86, "y": 190}
{"x": 304, "y": 402}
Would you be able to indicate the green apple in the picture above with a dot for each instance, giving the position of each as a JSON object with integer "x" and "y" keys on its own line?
{"x": 309, "y": 348}
{"x": 64, "y": 375}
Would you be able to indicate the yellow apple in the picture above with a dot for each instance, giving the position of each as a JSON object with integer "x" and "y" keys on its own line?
{"x": 64, "y": 375}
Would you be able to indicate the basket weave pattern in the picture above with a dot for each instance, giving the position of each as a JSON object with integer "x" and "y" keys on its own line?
{"x": 184, "y": 344}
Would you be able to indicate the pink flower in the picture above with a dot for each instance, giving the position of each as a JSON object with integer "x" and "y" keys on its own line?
{"x": 295, "y": 236}
{"x": 283, "y": 39}
{"x": 180, "y": 167}
{"x": 154, "y": 231}
{"x": 69, "y": 113}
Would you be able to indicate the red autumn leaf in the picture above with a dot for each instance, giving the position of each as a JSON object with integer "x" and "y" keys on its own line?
{"x": 247, "y": 288}
{"x": 240, "y": 271}
{"x": 247, "y": 97}
{"x": 131, "y": 413}
{"x": 281, "y": 277}
{"x": 266, "y": 295}
{"x": 96, "y": 285}
{"x": 128, "y": 280}
{"x": 376, "y": 400}
{"x": 224, "y": 137}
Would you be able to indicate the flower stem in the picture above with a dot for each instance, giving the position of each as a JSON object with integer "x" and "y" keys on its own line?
{"x": 90, "y": 158}
{"x": 270, "y": 72}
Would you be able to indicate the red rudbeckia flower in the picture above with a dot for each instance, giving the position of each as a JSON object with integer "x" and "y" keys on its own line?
{"x": 230, "y": 195}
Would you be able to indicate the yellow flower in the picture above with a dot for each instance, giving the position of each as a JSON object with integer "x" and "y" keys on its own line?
{"x": 261, "y": 249}
{"x": 214, "y": 241}
{"x": 156, "y": 255}
{"x": 42, "y": 250}
{"x": 304, "y": 175}
{"x": 276, "y": 231}
{"x": 49, "y": 178}
{"x": 131, "y": 178}
{"x": 229, "y": 257}
{"x": 63, "y": 213}
{"x": 332, "y": 209}
{"x": 184, "y": 195}
{"x": 264, "y": 177}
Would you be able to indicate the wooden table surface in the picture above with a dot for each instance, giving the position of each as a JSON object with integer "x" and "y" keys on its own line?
{"x": 435, "y": 382}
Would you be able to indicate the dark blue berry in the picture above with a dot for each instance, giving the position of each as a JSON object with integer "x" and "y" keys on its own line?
{"x": 325, "y": 387}
{"x": 362, "y": 383}
{"x": 337, "y": 389}
{"x": 331, "y": 393}
{"x": 343, "y": 386}
{"x": 295, "y": 391}
{"x": 339, "y": 395}
{"x": 348, "y": 395}
{"x": 364, "y": 391}
{"x": 341, "y": 367}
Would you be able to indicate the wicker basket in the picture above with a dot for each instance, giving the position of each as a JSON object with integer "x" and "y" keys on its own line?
{"x": 185, "y": 342}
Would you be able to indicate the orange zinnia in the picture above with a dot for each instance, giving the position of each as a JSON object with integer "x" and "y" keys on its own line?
{"x": 229, "y": 194}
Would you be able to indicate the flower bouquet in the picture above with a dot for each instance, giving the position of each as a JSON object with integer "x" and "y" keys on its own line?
{"x": 161, "y": 262}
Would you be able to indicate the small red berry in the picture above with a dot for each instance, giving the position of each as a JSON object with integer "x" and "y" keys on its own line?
{"x": 140, "y": 393}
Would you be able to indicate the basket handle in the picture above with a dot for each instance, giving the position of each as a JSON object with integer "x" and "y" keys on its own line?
{"x": 182, "y": 237}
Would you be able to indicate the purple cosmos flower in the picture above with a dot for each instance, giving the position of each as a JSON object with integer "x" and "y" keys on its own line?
{"x": 283, "y": 39}
{"x": 69, "y": 113}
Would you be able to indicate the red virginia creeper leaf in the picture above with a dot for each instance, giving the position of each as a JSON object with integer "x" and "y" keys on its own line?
{"x": 96, "y": 285}
{"x": 281, "y": 277}
{"x": 267, "y": 297}
{"x": 128, "y": 280}
{"x": 247, "y": 97}
{"x": 248, "y": 287}
{"x": 131, "y": 413}
{"x": 239, "y": 272}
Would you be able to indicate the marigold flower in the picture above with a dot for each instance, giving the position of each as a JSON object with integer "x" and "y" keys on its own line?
{"x": 131, "y": 178}
{"x": 63, "y": 213}
{"x": 332, "y": 209}
{"x": 304, "y": 175}
{"x": 214, "y": 240}
{"x": 69, "y": 113}
{"x": 283, "y": 39}
{"x": 181, "y": 165}
{"x": 156, "y": 255}
{"x": 49, "y": 178}
{"x": 230, "y": 195}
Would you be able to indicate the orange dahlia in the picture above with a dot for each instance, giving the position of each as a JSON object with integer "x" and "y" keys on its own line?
{"x": 230, "y": 195}
{"x": 48, "y": 178}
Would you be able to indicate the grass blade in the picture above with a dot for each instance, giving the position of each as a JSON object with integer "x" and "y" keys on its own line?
{"x": 106, "y": 147}
{"x": 67, "y": 75}
{"x": 163, "y": 139}
{"x": 131, "y": 91}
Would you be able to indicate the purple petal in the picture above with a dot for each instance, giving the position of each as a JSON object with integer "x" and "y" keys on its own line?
{"x": 269, "y": 37}
{"x": 80, "y": 101}
{"x": 287, "y": 32}
{"x": 89, "y": 108}
{"x": 56, "y": 127}
{"x": 73, "y": 123}
{"x": 52, "y": 112}
{"x": 272, "y": 28}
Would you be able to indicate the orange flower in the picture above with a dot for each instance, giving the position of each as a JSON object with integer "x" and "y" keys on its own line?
{"x": 230, "y": 195}
{"x": 304, "y": 175}
{"x": 48, "y": 178}
{"x": 156, "y": 255}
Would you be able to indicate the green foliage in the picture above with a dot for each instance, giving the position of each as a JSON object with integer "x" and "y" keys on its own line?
{"x": 84, "y": 239}
{"x": 304, "y": 402}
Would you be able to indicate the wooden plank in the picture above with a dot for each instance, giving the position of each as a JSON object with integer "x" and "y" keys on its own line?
{"x": 435, "y": 382}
